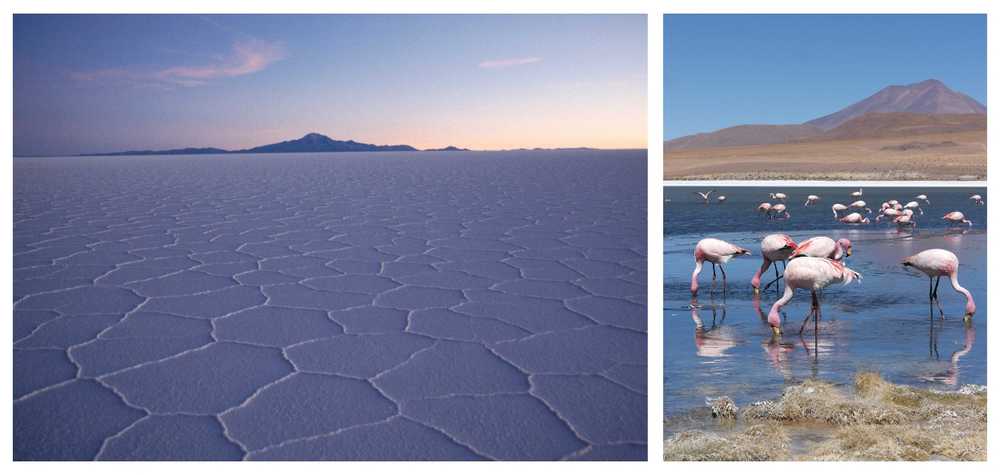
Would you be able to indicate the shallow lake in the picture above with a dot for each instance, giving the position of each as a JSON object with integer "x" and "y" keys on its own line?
{"x": 884, "y": 324}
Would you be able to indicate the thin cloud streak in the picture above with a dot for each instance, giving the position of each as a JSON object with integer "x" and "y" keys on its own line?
{"x": 508, "y": 62}
{"x": 247, "y": 57}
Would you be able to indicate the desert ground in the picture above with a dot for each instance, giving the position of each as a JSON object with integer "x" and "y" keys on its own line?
{"x": 947, "y": 156}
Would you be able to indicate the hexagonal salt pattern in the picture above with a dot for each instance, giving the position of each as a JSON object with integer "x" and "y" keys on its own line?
{"x": 392, "y": 306}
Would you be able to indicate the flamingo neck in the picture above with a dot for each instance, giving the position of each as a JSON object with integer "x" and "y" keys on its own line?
{"x": 694, "y": 276}
{"x": 755, "y": 282}
{"x": 970, "y": 304}
{"x": 773, "y": 317}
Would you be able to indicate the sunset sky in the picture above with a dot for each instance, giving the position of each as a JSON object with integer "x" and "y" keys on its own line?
{"x": 99, "y": 83}
{"x": 726, "y": 70}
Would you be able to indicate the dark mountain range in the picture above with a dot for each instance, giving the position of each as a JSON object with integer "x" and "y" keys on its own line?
{"x": 924, "y": 107}
{"x": 311, "y": 142}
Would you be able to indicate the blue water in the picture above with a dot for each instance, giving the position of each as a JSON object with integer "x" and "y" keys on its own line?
{"x": 882, "y": 324}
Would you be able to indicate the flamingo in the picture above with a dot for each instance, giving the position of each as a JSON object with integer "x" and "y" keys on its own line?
{"x": 888, "y": 213}
{"x": 813, "y": 273}
{"x": 780, "y": 209}
{"x": 956, "y": 218}
{"x": 913, "y": 205}
{"x": 704, "y": 195}
{"x": 857, "y": 194}
{"x": 716, "y": 251}
{"x": 774, "y": 248}
{"x": 977, "y": 199}
{"x": 811, "y": 200}
{"x": 905, "y": 220}
{"x": 721, "y": 199}
{"x": 885, "y": 206}
{"x": 822, "y": 246}
{"x": 764, "y": 208}
{"x": 779, "y": 196}
{"x": 855, "y": 218}
{"x": 837, "y": 208}
{"x": 860, "y": 204}
{"x": 938, "y": 263}
{"x": 893, "y": 202}
{"x": 923, "y": 198}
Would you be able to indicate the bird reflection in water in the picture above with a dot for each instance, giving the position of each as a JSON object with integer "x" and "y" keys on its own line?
{"x": 716, "y": 339}
{"x": 949, "y": 376}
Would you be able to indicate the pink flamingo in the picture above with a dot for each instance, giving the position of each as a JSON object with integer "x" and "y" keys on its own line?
{"x": 780, "y": 209}
{"x": 861, "y": 205}
{"x": 716, "y": 251}
{"x": 904, "y": 220}
{"x": 811, "y": 200}
{"x": 813, "y": 273}
{"x": 889, "y": 213}
{"x": 937, "y": 263}
{"x": 977, "y": 199}
{"x": 956, "y": 218}
{"x": 764, "y": 208}
{"x": 774, "y": 248}
{"x": 855, "y": 218}
{"x": 913, "y": 205}
{"x": 837, "y": 208}
{"x": 822, "y": 246}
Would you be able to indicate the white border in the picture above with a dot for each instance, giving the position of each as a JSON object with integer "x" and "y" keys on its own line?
{"x": 655, "y": 9}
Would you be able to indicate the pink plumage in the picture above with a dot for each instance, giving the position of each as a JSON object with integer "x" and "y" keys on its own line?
{"x": 937, "y": 263}
{"x": 717, "y": 252}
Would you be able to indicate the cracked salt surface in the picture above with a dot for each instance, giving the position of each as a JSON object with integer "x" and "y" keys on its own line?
{"x": 391, "y": 306}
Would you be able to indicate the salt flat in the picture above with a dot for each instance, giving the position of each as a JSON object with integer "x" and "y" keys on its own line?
{"x": 381, "y": 306}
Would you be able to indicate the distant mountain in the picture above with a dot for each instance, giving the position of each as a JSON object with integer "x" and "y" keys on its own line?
{"x": 744, "y": 135}
{"x": 174, "y": 151}
{"x": 314, "y": 142}
{"x": 924, "y": 107}
{"x": 902, "y": 124}
{"x": 311, "y": 142}
{"x": 450, "y": 148}
{"x": 927, "y": 97}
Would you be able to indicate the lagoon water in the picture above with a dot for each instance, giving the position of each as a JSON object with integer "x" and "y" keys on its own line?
{"x": 884, "y": 324}
{"x": 372, "y": 306}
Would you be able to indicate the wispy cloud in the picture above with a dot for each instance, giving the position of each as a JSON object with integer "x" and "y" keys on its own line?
{"x": 508, "y": 62}
{"x": 247, "y": 57}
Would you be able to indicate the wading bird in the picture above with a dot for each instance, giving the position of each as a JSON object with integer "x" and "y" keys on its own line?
{"x": 905, "y": 221}
{"x": 861, "y": 205}
{"x": 837, "y": 208}
{"x": 956, "y": 218}
{"x": 913, "y": 205}
{"x": 822, "y": 246}
{"x": 716, "y": 251}
{"x": 890, "y": 213}
{"x": 779, "y": 196}
{"x": 721, "y": 199}
{"x": 811, "y": 200}
{"x": 937, "y": 263}
{"x": 923, "y": 198}
{"x": 855, "y": 218}
{"x": 775, "y": 248}
{"x": 857, "y": 194}
{"x": 977, "y": 199}
{"x": 814, "y": 274}
{"x": 764, "y": 208}
{"x": 780, "y": 210}
{"x": 704, "y": 195}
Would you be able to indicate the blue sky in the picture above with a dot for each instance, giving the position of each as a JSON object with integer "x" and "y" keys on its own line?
{"x": 92, "y": 83}
{"x": 725, "y": 70}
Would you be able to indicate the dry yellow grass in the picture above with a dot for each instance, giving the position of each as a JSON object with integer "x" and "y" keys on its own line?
{"x": 876, "y": 421}
{"x": 863, "y": 159}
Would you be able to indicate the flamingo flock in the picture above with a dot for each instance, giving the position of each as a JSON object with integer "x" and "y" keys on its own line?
{"x": 818, "y": 262}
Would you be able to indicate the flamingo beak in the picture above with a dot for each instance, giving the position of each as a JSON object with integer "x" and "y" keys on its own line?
{"x": 849, "y": 252}
{"x": 967, "y": 319}
{"x": 756, "y": 290}
{"x": 776, "y": 331}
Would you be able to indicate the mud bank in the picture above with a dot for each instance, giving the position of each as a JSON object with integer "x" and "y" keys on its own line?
{"x": 874, "y": 420}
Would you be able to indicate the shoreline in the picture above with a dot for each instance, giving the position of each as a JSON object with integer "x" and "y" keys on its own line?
{"x": 817, "y": 420}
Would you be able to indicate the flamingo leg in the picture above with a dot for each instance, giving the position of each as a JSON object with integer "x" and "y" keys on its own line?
{"x": 713, "y": 272}
{"x": 936, "y": 283}
{"x": 930, "y": 289}
{"x": 723, "y": 270}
